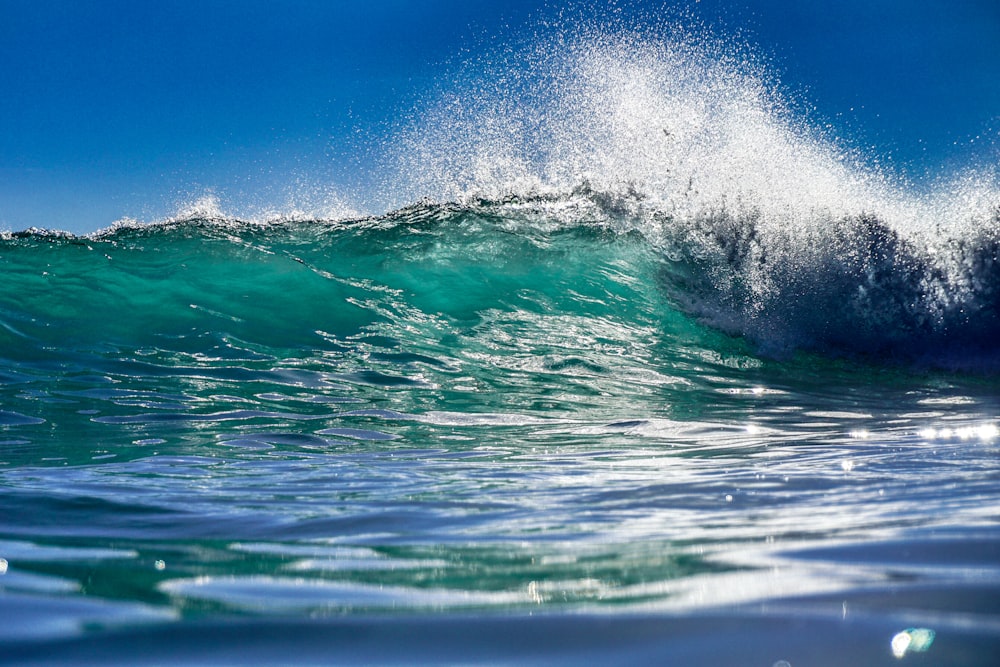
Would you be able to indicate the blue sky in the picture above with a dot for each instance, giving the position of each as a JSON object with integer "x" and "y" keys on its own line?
{"x": 111, "y": 108}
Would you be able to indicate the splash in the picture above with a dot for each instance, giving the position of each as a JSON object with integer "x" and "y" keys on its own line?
{"x": 775, "y": 230}
{"x": 679, "y": 120}
{"x": 308, "y": 205}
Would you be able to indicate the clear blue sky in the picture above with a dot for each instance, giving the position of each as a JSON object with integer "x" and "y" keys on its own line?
{"x": 123, "y": 108}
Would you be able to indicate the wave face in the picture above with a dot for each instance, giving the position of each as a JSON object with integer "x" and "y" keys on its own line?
{"x": 486, "y": 293}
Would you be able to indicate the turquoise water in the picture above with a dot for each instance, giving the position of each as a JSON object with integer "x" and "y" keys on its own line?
{"x": 422, "y": 434}
{"x": 650, "y": 371}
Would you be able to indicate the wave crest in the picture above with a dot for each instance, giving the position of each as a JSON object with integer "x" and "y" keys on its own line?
{"x": 853, "y": 285}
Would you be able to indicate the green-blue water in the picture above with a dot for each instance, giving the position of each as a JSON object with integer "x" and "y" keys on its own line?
{"x": 496, "y": 432}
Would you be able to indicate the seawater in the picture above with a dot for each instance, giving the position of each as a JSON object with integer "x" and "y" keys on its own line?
{"x": 655, "y": 374}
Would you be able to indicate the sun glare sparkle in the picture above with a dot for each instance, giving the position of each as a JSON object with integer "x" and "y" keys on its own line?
{"x": 983, "y": 432}
{"x": 916, "y": 640}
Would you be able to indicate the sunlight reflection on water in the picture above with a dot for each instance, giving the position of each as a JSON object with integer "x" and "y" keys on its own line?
{"x": 912, "y": 640}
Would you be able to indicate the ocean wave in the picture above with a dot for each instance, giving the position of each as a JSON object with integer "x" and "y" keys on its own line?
{"x": 849, "y": 285}
{"x": 750, "y": 219}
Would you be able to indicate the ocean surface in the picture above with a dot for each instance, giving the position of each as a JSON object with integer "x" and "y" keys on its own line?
{"x": 646, "y": 371}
